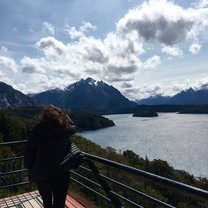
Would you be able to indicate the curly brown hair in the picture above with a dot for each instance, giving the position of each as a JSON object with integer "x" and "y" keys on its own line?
{"x": 56, "y": 116}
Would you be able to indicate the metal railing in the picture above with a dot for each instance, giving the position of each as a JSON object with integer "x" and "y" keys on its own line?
{"x": 111, "y": 190}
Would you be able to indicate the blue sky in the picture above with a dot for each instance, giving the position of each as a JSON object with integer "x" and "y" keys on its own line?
{"x": 143, "y": 48}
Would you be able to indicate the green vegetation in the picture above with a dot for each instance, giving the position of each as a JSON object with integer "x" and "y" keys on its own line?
{"x": 90, "y": 121}
{"x": 84, "y": 120}
{"x": 157, "y": 166}
{"x": 15, "y": 126}
{"x": 197, "y": 109}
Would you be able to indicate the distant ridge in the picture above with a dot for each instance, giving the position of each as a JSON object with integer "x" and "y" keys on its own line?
{"x": 187, "y": 97}
{"x": 9, "y": 97}
{"x": 154, "y": 100}
{"x": 87, "y": 94}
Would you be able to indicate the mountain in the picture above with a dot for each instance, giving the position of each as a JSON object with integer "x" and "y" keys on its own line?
{"x": 187, "y": 97}
{"x": 9, "y": 97}
{"x": 191, "y": 96}
{"x": 153, "y": 100}
{"x": 87, "y": 95}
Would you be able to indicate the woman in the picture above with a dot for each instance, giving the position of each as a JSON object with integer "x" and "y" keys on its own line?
{"x": 47, "y": 145}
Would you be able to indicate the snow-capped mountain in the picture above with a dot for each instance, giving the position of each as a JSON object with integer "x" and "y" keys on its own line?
{"x": 87, "y": 94}
{"x": 189, "y": 96}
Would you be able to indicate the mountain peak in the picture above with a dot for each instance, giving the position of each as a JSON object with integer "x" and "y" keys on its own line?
{"x": 88, "y": 94}
{"x": 189, "y": 90}
{"x": 90, "y": 81}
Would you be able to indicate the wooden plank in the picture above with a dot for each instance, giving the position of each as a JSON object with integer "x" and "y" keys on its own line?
{"x": 71, "y": 202}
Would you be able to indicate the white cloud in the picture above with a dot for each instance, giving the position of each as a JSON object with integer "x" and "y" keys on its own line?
{"x": 7, "y": 63}
{"x": 201, "y": 82}
{"x": 87, "y": 26}
{"x": 152, "y": 62}
{"x": 163, "y": 21}
{"x": 37, "y": 82}
{"x": 172, "y": 51}
{"x": 203, "y": 4}
{"x": 43, "y": 82}
{"x": 79, "y": 33}
{"x": 51, "y": 47}
{"x": 23, "y": 88}
{"x": 195, "y": 48}
{"x": 48, "y": 27}
{"x": 127, "y": 85}
{"x": 105, "y": 59}
{"x": 74, "y": 33}
{"x": 7, "y": 80}
{"x": 143, "y": 90}
{"x": 29, "y": 65}
{"x": 123, "y": 46}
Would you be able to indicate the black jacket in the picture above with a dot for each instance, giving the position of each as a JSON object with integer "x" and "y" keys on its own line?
{"x": 45, "y": 149}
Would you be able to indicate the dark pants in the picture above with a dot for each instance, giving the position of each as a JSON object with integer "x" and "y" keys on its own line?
{"x": 53, "y": 191}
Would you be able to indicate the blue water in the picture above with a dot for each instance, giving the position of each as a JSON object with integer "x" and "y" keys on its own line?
{"x": 180, "y": 139}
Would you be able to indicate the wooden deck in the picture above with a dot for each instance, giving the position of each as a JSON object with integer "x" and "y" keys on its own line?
{"x": 33, "y": 200}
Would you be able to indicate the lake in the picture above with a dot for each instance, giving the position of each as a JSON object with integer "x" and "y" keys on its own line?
{"x": 180, "y": 139}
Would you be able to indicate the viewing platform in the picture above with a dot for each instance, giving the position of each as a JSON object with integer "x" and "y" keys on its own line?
{"x": 33, "y": 200}
{"x": 99, "y": 182}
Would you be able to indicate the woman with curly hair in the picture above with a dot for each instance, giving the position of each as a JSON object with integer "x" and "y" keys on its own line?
{"x": 47, "y": 145}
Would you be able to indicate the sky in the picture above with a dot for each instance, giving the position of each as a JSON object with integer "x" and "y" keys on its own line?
{"x": 143, "y": 48}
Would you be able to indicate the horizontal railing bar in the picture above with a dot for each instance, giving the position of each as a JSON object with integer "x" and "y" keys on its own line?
{"x": 13, "y": 142}
{"x": 165, "y": 181}
{"x": 99, "y": 186}
{"x": 15, "y": 184}
{"x": 137, "y": 192}
{"x": 115, "y": 201}
{"x": 11, "y": 158}
{"x": 99, "y": 194}
{"x": 132, "y": 189}
{"x": 127, "y": 200}
{"x": 86, "y": 179}
{"x": 13, "y": 172}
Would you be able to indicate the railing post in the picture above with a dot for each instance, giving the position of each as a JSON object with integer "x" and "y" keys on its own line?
{"x": 116, "y": 202}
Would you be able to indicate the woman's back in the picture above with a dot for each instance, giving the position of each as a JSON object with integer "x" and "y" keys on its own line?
{"x": 49, "y": 146}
